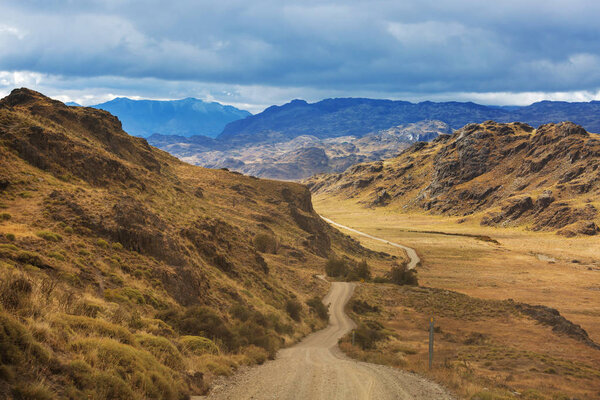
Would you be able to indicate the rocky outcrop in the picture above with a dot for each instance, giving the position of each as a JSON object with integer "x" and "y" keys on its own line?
{"x": 512, "y": 174}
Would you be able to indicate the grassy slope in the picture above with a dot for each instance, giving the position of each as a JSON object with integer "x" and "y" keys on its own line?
{"x": 125, "y": 273}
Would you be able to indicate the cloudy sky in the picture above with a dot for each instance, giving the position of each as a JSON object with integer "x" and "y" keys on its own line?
{"x": 256, "y": 53}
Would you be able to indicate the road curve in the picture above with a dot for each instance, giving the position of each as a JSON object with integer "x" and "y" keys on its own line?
{"x": 414, "y": 259}
{"x": 316, "y": 369}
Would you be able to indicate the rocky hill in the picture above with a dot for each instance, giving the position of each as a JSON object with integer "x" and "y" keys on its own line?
{"x": 302, "y": 156}
{"x": 126, "y": 273}
{"x": 358, "y": 117}
{"x": 184, "y": 117}
{"x": 502, "y": 174}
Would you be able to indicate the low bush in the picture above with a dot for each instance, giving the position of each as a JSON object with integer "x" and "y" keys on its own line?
{"x": 10, "y": 237}
{"x": 200, "y": 321}
{"x": 5, "y": 216}
{"x": 36, "y": 391}
{"x": 266, "y": 243}
{"x": 162, "y": 349}
{"x": 56, "y": 255}
{"x": 363, "y": 307}
{"x": 293, "y": 308}
{"x": 15, "y": 292}
{"x": 198, "y": 345}
{"x": 31, "y": 258}
{"x": 102, "y": 243}
{"x": 18, "y": 347}
{"x": 317, "y": 306}
{"x": 87, "y": 326}
{"x": 363, "y": 271}
{"x": 336, "y": 267}
{"x": 117, "y": 246}
{"x": 254, "y": 333}
{"x": 142, "y": 373}
{"x": 257, "y": 355}
{"x": 49, "y": 236}
{"x": 367, "y": 334}
{"x": 401, "y": 275}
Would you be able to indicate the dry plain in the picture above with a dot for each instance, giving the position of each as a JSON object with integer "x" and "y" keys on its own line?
{"x": 495, "y": 348}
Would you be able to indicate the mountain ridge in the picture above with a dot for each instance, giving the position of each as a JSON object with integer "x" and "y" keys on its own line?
{"x": 546, "y": 179}
{"x": 358, "y": 116}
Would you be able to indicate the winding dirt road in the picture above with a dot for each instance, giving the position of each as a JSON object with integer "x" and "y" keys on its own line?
{"x": 414, "y": 259}
{"x": 316, "y": 369}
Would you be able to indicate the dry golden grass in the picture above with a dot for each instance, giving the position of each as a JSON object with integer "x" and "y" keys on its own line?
{"x": 534, "y": 268}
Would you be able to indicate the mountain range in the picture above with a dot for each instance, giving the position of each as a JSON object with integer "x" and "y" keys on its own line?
{"x": 185, "y": 117}
{"x": 298, "y": 139}
{"x": 357, "y": 117}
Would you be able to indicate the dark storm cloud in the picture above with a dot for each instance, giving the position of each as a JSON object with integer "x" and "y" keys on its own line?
{"x": 349, "y": 46}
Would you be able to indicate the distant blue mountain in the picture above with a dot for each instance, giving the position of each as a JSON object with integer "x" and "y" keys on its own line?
{"x": 358, "y": 117}
{"x": 72, "y": 104}
{"x": 186, "y": 117}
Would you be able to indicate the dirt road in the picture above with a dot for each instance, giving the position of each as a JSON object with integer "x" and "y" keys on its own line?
{"x": 414, "y": 259}
{"x": 316, "y": 369}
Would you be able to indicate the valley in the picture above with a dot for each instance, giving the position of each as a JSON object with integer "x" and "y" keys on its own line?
{"x": 466, "y": 283}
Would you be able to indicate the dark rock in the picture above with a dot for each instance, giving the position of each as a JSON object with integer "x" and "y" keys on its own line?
{"x": 551, "y": 317}
{"x": 588, "y": 228}
{"x": 544, "y": 200}
{"x": 382, "y": 197}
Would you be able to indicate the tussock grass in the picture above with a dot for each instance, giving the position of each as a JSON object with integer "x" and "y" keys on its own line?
{"x": 50, "y": 236}
{"x": 198, "y": 345}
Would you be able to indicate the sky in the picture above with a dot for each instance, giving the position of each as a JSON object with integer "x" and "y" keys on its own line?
{"x": 252, "y": 54}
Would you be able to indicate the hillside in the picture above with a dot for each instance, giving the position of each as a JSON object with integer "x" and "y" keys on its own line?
{"x": 126, "y": 273}
{"x": 184, "y": 117}
{"x": 357, "y": 117}
{"x": 544, "y": 179}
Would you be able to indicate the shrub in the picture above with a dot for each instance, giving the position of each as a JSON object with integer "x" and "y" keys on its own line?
{"x": 198, "y": 345}
{"x": 360, "y": 272}
{"x": 241, "y": 312}
{"x": 10, "y": 236}
{"x": 15, "y": 292}
{"x": 401, "y": 275}
{"x": 87, "y": 326}
{"x": 200, "y": 321}
{"x": 49, "y": 236}
{"x": 336, "y": 267}
{"x": 251, "y": 332}
{"x": 316, "y": 305}
{"x": 162, "y": 349}
{"x": 102, "y": 243}
{"x": 18, "y": 346}
{"x": 117, "y": 246}
{"x": 68, "y": 229}
{"x": 363, "y": 307}
{"x": 266, "y": 243}
{"x": 36, "y": 391}
{"x": 256, "y": 354}
{"x": 363, "y": 271}
{"x": 367, "y": 334}
{"x": 140, "y": 371}
{"x": 56, "y": 255}
{"x": 5, "y": 216}
{"x": 293, "y": 308}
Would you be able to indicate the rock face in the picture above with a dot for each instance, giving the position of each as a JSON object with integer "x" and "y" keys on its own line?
{"x": 507, "y": 174}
